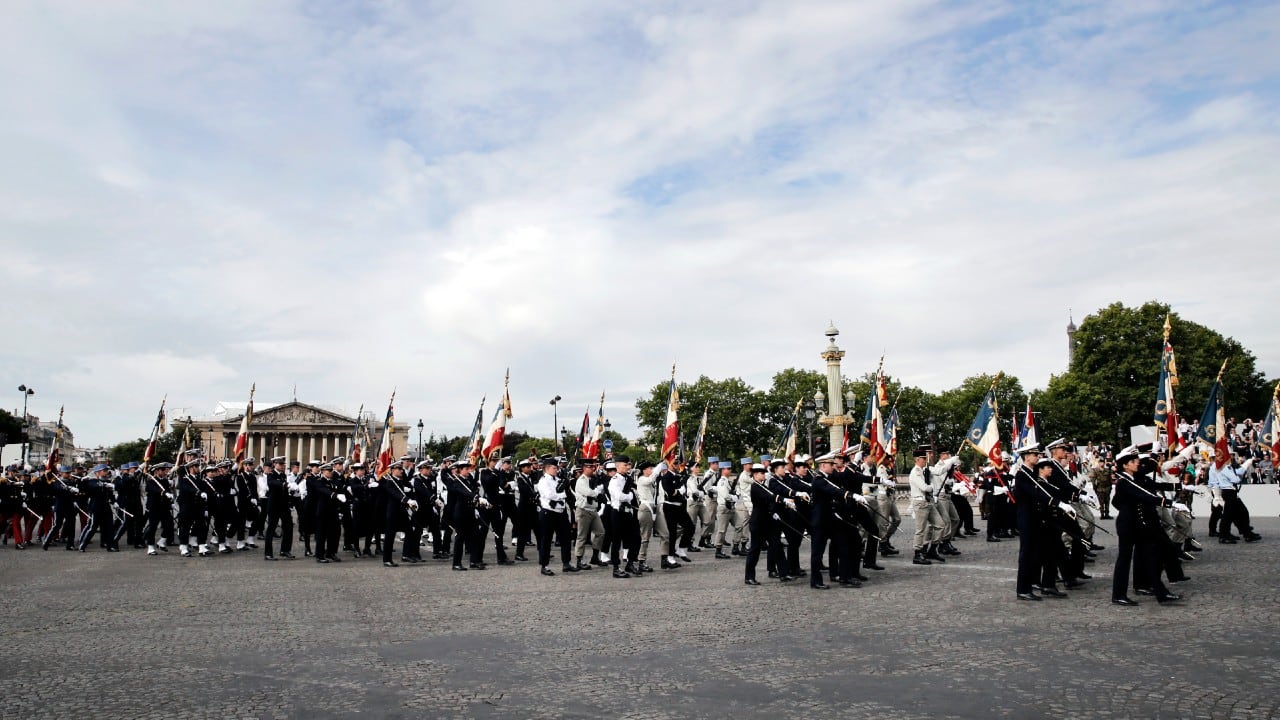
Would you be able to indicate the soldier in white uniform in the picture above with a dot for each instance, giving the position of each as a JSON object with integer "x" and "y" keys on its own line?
{"x": 925, "y": 511}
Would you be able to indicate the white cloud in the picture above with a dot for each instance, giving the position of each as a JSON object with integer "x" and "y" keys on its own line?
{"x": 398, "y": 195}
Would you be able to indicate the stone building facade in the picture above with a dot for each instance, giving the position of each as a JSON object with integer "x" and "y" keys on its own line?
{"x": 296, "y": 430}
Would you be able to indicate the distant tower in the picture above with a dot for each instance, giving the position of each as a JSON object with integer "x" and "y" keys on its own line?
{"x": 1071, "y": 339}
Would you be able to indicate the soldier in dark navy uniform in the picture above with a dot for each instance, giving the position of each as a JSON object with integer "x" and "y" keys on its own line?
{"x": 160, "y": 498}
{"x": 279, "y": 510}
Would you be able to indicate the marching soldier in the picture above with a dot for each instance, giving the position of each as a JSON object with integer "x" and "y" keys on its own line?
{"x": 278, "y": 508}
{"x": 193, "y": 513}
{"x": 328, "y": 503}
{"x": 399, "y": 504}
{"x": 765, "y": 506}
{"x": 588, "y": 489}
{"x": 129, "y": 492}
{"x": 702, "y": 502}
{"x": 465, "y": 495}
{"x": 247, "y": 506}
{"x": 159, "y": 508}
{"x": 495, "y": 485}
{"x": 101, "y": 492}
{"x": 731, "y": 510}
{"x": 929, "y": 523}
{"x": 1138, "y": 531}
{"x": 673, "y": 482}
{"x": 524, "y": 522}
{"x": 647, "y": 515}
{"x": 625, "y": 539}
{"x": 553, "y": 516}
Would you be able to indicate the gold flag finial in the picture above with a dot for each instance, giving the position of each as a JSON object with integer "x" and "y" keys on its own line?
{"x": 1167, "y": 328}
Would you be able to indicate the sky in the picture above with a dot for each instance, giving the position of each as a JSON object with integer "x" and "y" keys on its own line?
{"x": 354, "y": 197}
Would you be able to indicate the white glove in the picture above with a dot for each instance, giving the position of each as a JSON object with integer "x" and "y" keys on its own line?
{"x": 999, "y": 490}
{"x": 169, "y": 495}
{"x": 776, "y": 516}
{"x": 1066, "y": 508}
{"x": 233, "y": 491}
{"x": 109, "y": 486}
{"x": 341, "y": 498}
{"x": 860, "y": 499}
{"x": 732, "y": 497}
{"x": 803, "y": 496}
{"x": 1218, "y": 502}
{"x": 413, "y": 504}
{"x": 204, "y": 496}
{"x": 373, "y": 484}
{"x": 1181, "y": 507}
{"x": 790, "y": 503}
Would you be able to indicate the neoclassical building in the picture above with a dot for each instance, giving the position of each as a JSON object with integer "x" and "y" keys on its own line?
{"x": 296, "y": 430}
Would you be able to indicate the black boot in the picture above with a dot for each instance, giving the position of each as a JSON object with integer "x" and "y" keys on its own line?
{"x": 920, "y": 559}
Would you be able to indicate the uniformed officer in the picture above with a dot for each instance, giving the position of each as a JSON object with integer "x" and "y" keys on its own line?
{"x": 553, "y": 516}
{"x": 278, "y": 510}
{"x": 929, "y": 523}
{"x": 159, "y": 508}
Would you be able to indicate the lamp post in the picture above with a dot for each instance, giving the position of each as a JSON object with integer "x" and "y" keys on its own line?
{"x": 421, "y": 447}
{"x": 810, "y": 408}
{"x": 555, "y": 421}
{"x": 26, "y": 393}
{"x": 931, "y": 426}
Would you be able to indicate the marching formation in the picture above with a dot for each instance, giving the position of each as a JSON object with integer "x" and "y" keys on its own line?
{"x": 608, "y": 512}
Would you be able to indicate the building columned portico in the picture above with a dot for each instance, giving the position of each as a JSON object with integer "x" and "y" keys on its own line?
{"x": 295, "y": 430}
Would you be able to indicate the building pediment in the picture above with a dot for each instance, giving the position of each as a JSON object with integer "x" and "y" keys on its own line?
{"x": 296, "y": 413}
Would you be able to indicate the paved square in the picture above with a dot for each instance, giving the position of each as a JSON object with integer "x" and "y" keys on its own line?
{"x": 117, "y": 636}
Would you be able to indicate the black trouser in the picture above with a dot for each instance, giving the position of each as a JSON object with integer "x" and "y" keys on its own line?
{"x": 495, "y": 521}
{"x": 413, "y": 534}
{"x": 763, "y": 530}
{"x": 1235, "y": 513}
{"x": 553, "y": 523}
{"x": 965, "y": 511}
{"x": 158, "y": 514}
{"x": 1030, "y": 535}
{"x": 132, "y": 526}
{"x": 279, "y": 517}
{"x": 103, "y": 520}
{"x": 997, "y": 518}
{"x": 394, "y": 520}
{"x": 307, "y": 519}
{"x": 1133, "y": 538}
{"x": 868, "y": 542}
{"x": 328, "y": 527}
{"x": 465, "y": 531}
{"x": 817, "y": 546}
{"x": 250, "y": 515}
{"x": 625, "y": 533}
{"x": 192, "y": 522}
{"x": 524, "y": 524}
{"x": 64, "y": 524}
{"x": 679, "y": 526}
{"x": 225, "y": 518}
{"x": 1053, "y": 556}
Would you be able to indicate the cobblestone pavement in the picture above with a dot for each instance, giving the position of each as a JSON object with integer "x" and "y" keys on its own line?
{"x": 122, "y": 636}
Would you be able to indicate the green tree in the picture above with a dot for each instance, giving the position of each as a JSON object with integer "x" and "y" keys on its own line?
{"x": 957, "y": 407}
{"x": 133, "y": 450}
{"x": 1111, "y": 384}
{"x": 11, "y": 429}
{"x": 738, "y": 420}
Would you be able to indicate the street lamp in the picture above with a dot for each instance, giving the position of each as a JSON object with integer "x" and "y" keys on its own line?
{"x": 849, "y": 400}
{"x": 931, "y": 426}
{"x": 420, "y": 445}
{"x": 561, "y": 441}
{"x": 810, "y": 411}
{"x": 555, "y": 421}
{"x": 26, "y": 393}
